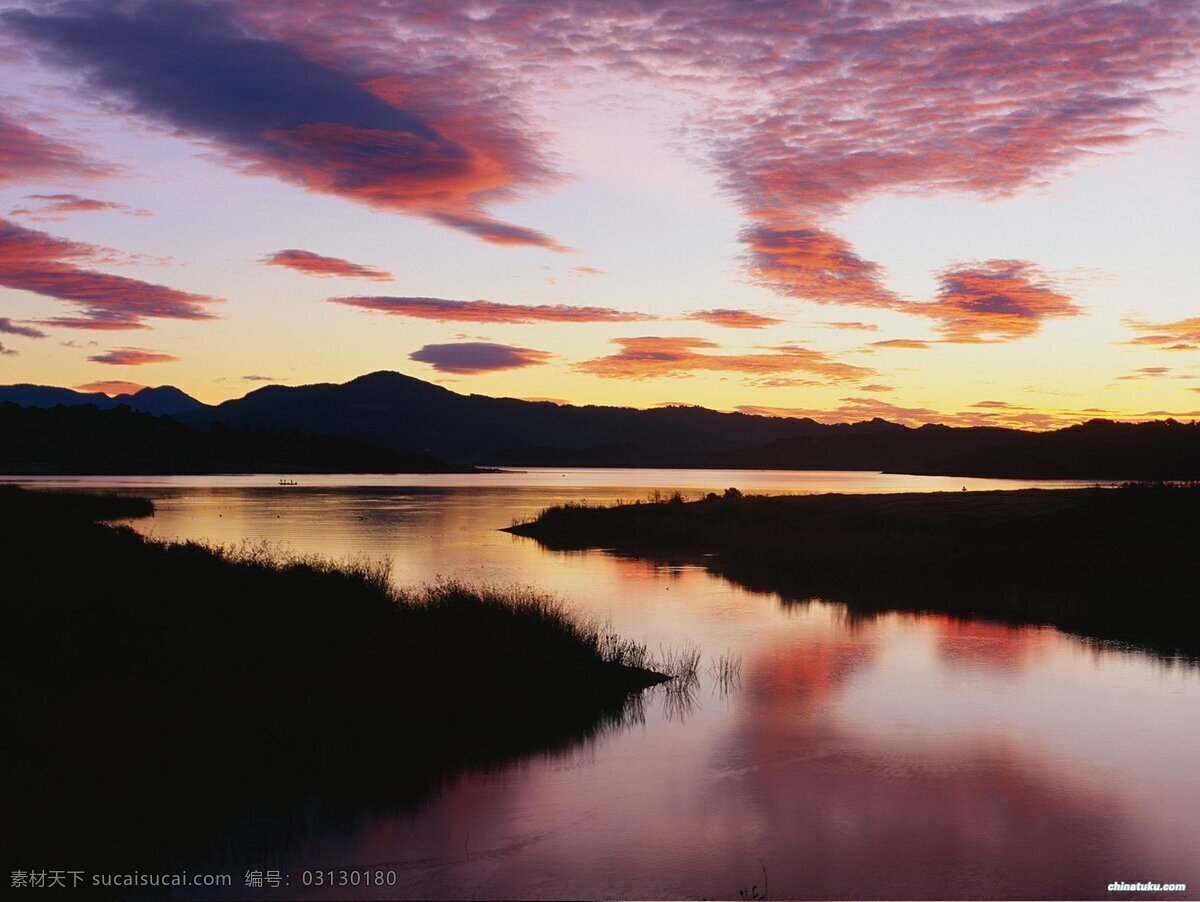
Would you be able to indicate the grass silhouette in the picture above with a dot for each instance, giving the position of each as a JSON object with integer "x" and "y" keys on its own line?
{"x": 1109, "y": 563}
{"x": 162, "y": 691}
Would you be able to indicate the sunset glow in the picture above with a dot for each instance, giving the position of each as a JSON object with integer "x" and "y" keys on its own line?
{"x": 927, "y": 212}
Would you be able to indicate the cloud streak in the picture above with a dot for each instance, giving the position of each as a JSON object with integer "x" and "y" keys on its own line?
{"x": 34, "y": 261}
{"x": 734, "y": 319}
{"x": 650, "y": 357}
{"x": 911, "y": 344}
{"x": 54, "y": 207}
{"x": 111, "y": 387}
{"x": 982, "y": 413}
{"x": 132, "y": 357}
{"x": 473, "y": 357}
{"x": 27, "y": 155}
{"x": 316, "y": 265}
{"x": 443, "y": 310}
{"x": 1180, "y": 335}
{"x": 9, "y": 327}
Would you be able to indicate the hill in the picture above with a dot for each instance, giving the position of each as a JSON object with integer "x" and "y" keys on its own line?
{"x": 386, "y": 410}
{"x": 166, "y": 399}
{"x": 398, "y": 411}
{"x": 85, "y": 440}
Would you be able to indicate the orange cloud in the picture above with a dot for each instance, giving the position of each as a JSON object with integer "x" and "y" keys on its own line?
{"x": 316, "y": 265}
{"x": 909, "y": 343}
{"x": 1181, "y": 335}
{"x": 815, "y": 265}
{"x": 851, "y": 410}
{"x": 111, "y": 387}
{"x": 981, "y": 413}
{"x": 734, "y": 319}
{"x": 1147, "y": 372}
{"x": 995, "y": 300}
{"x": 132, "y": 357}
{"x": 37, "y": 262}
{"x": 444, "y": 310}
{"x": 651, "y": 357}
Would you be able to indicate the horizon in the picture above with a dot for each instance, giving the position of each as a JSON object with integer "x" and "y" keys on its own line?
{"x": 891, "y": 212}
{"x": 130, "y": 390}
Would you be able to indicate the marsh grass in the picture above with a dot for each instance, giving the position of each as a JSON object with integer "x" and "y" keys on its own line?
{"x": 1102, "y": 562}
{"x": 158, "y": 679}
{"x": 681, "y": 665}
{"x": 726, "y": 673}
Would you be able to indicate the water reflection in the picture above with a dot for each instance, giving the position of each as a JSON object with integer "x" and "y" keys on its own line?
{"x": 896, "y": 756}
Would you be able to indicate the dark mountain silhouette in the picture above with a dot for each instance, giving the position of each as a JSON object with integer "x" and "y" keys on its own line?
{"x": 399, "y": 411}
{"x": 393, "y": 411}
{"x": 83, "y": 439}
{"x": 166, "y": 399}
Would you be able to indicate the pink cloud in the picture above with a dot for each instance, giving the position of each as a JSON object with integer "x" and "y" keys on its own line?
{"x": 40, "y": 263}
{"x": 132, "y": 357}
{"x": 27, "y": 155}
{"x": 444, "y": 310}
{"x": 802, "y": 110}
{"x": 54, "y": 207}
{"x": 432, "y": 138}
{"x": 316, "y": 265}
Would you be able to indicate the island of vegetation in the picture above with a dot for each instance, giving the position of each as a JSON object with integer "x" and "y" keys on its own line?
{"x": 1109, "y": 563}
{"x": 158, "y": 693}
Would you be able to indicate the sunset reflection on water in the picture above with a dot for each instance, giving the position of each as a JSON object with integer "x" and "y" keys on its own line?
{"x": 904, "y": 755}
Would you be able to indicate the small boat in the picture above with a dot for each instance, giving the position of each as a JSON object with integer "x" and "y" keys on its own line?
{"x": 288, "y": 482}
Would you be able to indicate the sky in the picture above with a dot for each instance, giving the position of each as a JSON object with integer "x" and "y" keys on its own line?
{"x": 927, "y": 211}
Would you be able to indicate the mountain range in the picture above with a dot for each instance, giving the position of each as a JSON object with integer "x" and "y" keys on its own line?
{"x": 165, "y": 400}
{"x": 387, "y": 410}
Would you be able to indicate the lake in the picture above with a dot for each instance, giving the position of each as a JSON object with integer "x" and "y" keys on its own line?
{"x": 902, "y": 756}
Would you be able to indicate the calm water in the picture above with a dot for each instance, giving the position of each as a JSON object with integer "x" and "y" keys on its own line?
{"x": 907, "y": 756}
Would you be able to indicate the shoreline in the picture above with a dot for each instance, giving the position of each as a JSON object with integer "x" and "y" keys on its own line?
{"x": 156, "y": 678}
{"x": 1098, "y": 562}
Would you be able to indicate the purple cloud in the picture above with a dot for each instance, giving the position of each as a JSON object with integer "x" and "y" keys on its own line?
{"x": 472, "y": 357}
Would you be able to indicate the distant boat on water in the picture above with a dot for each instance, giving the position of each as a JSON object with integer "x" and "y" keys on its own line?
{"x": 288, "y": 482}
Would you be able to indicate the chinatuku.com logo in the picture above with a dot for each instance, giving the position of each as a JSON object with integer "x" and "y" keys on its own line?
{"x": 1121, "y": 886}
